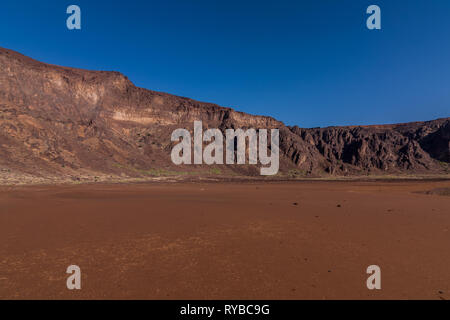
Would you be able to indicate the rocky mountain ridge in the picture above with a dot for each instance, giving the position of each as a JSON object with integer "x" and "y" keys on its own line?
{"x": 58, "y": 122}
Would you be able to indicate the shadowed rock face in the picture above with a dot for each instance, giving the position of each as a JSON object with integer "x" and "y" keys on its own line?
{"x": 437, "y": 143}
{"x": 388, "y": 148}
{"x": 65, "y": 122}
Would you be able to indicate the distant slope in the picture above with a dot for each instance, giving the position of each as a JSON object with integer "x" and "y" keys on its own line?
{"x": 66, "y": 123}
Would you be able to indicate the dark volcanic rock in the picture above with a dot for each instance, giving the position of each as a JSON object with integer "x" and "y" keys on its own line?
{"x": 386, "y": 148}
{"x": 437, "y": 143}
{"x": 66, "y": 122}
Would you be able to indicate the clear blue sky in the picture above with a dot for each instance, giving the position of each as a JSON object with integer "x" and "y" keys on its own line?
{"x": 310, "y": 63}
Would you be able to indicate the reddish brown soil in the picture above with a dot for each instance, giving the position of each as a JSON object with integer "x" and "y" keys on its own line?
{"x": 226, "y": 240}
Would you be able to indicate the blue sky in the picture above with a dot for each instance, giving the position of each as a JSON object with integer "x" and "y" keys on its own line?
{"x": 310, "y": 63}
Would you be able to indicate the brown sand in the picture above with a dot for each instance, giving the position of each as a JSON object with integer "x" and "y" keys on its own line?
{"x": 226, "y": 240}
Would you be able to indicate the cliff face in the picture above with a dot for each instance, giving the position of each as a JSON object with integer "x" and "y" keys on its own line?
{"x": 389, "y": 148}
{"x": 65, "y": 122}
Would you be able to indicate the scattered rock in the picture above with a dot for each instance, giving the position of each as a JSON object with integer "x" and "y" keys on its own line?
{"x": 437, "y": 191}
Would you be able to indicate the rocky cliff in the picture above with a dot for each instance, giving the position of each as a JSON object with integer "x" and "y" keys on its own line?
{"x": 58, "y": 122}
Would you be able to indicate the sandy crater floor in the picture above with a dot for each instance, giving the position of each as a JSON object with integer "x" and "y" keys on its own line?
{"x": 302, "y": 240}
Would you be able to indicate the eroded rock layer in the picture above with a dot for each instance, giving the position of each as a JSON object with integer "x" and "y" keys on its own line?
{"x": 65, "y": 122}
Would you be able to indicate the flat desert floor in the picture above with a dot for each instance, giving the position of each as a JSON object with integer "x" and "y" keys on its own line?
{"x": 284, "y": 240}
